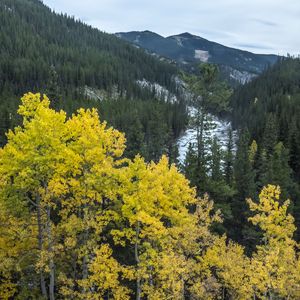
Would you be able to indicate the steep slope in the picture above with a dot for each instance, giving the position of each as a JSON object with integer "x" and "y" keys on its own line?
{"x": 188, "y": 49}
{"x": 155, "y": 43}
{"x": 269, "y": 109}
{"x": 272, "y": 101}
{"x": 80, "y": 66}
{"x": 205, "y": 50}
{"x": 34, "y": 38}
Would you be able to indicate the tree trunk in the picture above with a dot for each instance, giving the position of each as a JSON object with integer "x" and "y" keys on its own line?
{"x": 85, "y": 233}
{"x": 183, "y": 289}
{"x": 85, "y": 259}
{"x": 84, "y": 268}
{"x": 201, "y": 142}
{"x": 40, "y": 244}
{"x": 200, "y": 145}
{"x": 137, "y": 260}
{"x": 51, "y": 261}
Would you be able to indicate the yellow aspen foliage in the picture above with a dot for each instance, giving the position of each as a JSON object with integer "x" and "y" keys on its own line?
{"x": 80, "y": 221}
{"x": 16, "y": 254}
{"x": 106, "y": 274}
{"x": 155, "y": 198}
{"x": 27, "y": 164}
{"x": 62, "y": 173}
{"x": 157, "y": 221}
{"x": 275, "y": 265}
{"x": 168, "y": 278}
{"x": 232, "y": 268}
{"x": 89, "y": 188}
{"x": 252, "y": 151}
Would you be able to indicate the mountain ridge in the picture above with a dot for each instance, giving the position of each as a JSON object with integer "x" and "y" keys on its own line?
{"x": 187, "y": 49}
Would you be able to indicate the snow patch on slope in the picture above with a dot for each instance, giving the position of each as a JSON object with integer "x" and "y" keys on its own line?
{"x": 178, "y": 40}
{"x": 242, "y": 77}
{"x": 9, "y": 9}
{"x": 100, "y": 95}
{"x": 202, "y": 55}
{"x": 137, "y": 39}
{"x": 160, "y": 91}
{"x": 93, "y": 94}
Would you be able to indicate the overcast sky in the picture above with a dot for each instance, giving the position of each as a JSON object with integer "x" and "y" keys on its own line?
{"x": 260, "y": 26}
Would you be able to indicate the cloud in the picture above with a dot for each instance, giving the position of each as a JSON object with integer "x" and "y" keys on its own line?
{"x": 263, "y": 25}
{"x": 266, "y": 22}
{"x": 253, "y": 46}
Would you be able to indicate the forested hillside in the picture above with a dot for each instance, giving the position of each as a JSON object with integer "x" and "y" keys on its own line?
{"x": 269, "y": 109}
{"x": 80, "y": 221}
{"x": 94, "y": 203}
{"x": 33, "y": 38}
{"x": 275, "y": 91}
{"x": 46, "y": 52}
{"x": 263, "y": 149}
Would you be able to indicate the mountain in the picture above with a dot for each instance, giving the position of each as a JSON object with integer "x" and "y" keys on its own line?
{"x": 80, "y": 66}
{"x": 187, "y": 49}
{"x": 33, "y": 38}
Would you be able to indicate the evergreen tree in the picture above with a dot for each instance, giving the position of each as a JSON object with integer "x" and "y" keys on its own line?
{"x": 281, "y": 171}
{"x": 208, "y": 93}
{"x": 229, "y": 159}
{"x": 41, "y": 51}
{"x": 156, "y": 136}
{"x": 270, "y": 136}
{"x": 172, "y": 149}
{"x": 53, "y": 89}
{"x": 243, "y": 169}
{"x": 245, "y": 185}
{"x": 190, "y": 165}
{"x": 217, "y": 187}
{"x": 262, "y": 167}
{"x": 294, "y": 147}
{"x": 134, "y": 137}
{"x": 215, "y": 161}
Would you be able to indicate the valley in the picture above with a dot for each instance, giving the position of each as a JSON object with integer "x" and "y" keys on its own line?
{"x": 139, "y": 166}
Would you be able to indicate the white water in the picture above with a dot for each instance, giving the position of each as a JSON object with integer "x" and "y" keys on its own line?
{"x": 220, "y": 131}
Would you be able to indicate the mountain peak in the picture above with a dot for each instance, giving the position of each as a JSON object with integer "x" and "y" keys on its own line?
{"x": 188, "y": 49}
{"x": 186, "y": 35}
{"x": 148, "y": 32}
{"x": 138, "y": 34}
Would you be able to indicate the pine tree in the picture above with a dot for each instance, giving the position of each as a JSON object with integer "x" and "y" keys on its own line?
{"x": 262, "y": 167}
{"x": 229, "y": 159}
{"x": 190, "y": 165}
{"x": 207, "y": 94}
{"x": 270, "y": 135}
{"x": 135, "y": 137}
{"x": 281, "y": 170}
{"x": 53, "y": 89}
{"x": 243, "y": 170}
{"x": 245, "y": 185}
{"x": 215, "y": 161}
{"x": 294, "y": 147}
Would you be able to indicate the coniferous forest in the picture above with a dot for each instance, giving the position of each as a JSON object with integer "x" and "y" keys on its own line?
{"x": 95, "y": 202}
{"x": 41, "y": 52}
